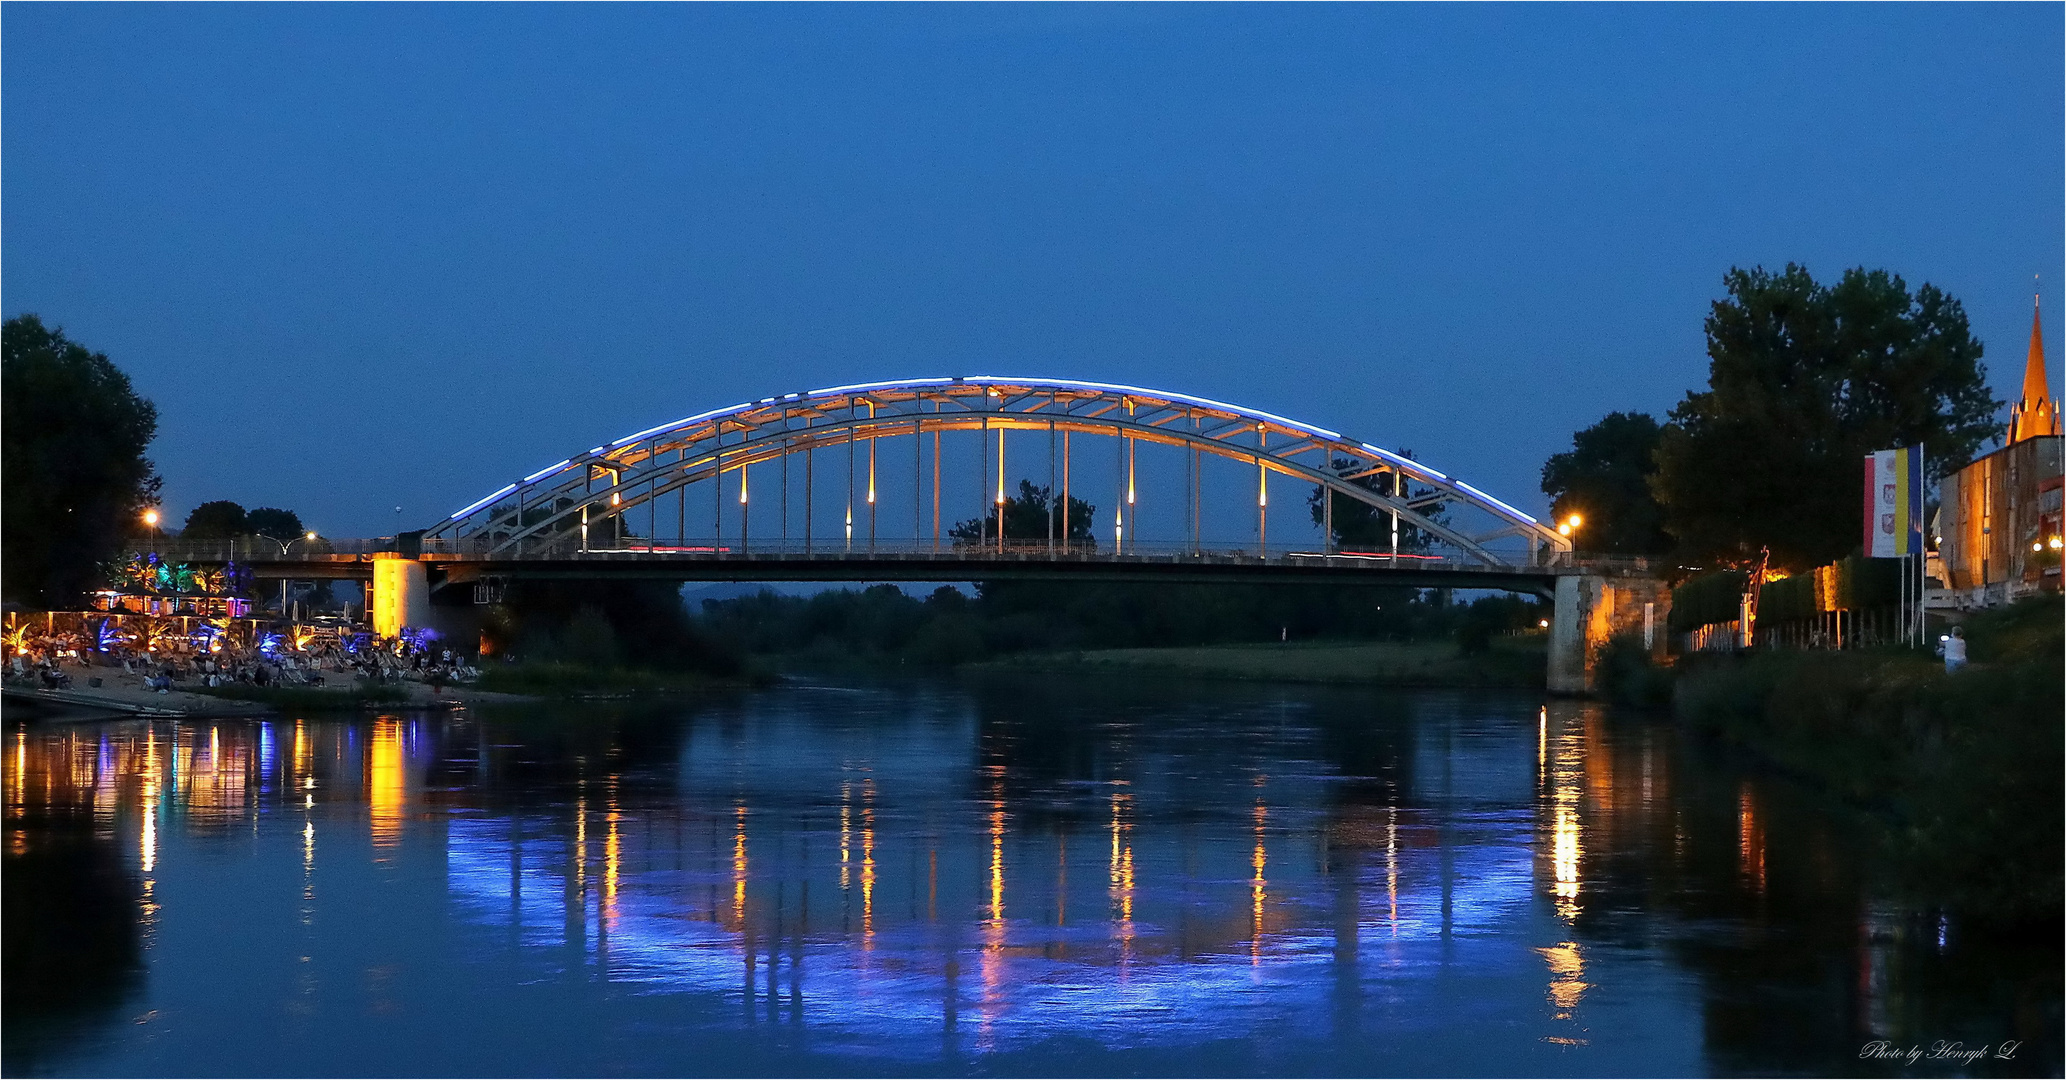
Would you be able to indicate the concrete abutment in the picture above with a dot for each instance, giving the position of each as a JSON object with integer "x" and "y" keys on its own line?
{"x": 1589, "y": 611}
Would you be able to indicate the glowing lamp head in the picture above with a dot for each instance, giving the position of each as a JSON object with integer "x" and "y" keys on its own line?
{"x": 150, "y": 517}
{"x": 1564, "y": 529}
{"x": 308, "y": 536}
{"x": 1542, "y": 623}
{"x": 2055, "y": 543}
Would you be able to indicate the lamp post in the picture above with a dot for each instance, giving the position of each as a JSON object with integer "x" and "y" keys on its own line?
{"x": 284, "y": 547}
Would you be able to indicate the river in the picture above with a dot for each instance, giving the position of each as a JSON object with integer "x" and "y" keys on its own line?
{"x": 1010, "y": 876}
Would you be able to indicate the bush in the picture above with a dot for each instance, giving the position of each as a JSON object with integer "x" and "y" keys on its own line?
{"x": 1627, "y": 676}
{"x": 1964, "y": 772}
{"x": 1714, "y": 597}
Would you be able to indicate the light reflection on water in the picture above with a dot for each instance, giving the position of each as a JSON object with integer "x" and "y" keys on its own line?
{"x": 806, "y": 880}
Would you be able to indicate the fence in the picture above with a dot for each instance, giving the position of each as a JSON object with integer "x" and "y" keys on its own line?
{"x": 1850, "y": 603}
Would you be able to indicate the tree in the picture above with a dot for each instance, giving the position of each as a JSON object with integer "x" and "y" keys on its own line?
{"x": 1605, "y": 479}
{"x": 1026, "y": 518}
{"x": 73, "y": 434}
{"x": 1359, "y": 526}
{"x": 281, "y": 525}
{"x": 1803, "y": 381}
{"x": 218, "y": 520}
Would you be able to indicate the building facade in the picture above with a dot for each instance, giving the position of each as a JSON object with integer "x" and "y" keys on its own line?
{"x": 1998, "y": 527}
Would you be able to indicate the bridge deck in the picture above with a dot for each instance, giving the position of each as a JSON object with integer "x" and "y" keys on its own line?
{"x": 1025, "y": 560}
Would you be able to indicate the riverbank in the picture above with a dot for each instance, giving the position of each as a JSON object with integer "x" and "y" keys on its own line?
{"x": 119, "y": 702}
{"x": 1962, "y": 772}
{"x": 352, "y": 697}
{"x": 1507, "y": 663}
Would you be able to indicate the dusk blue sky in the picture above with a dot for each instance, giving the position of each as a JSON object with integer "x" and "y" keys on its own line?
{"x": 372, "y": 255}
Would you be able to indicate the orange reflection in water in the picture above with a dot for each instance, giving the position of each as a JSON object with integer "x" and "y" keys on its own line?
{"x": 613, "y": 850}
{"x": 739, "y": 866}
{"x": 1392, "y": 866}
{"x": 1750, "y": 837}
{"x": 993, "y": 926}
{"x": 1567, "y": 775}
{"x": 1257, "y": 885}
{"x": 149, "y": 798}
{"x": 386, "y": 782}
{"x": 1567, "y": 985}
{"x": 846, "y": 834}
{"x": 1120, "y": 867}
{"x": 867, "y": 864}
{"x": 18, "y": 791}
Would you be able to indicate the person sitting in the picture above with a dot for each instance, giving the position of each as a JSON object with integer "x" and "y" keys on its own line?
{"x": 1955, "y": 650}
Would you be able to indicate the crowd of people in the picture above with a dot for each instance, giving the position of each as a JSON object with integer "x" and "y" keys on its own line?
{"x": 60, "y": 661}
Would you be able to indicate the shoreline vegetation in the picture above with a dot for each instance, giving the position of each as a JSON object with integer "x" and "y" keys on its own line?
{"x": 1963, "y": 775}
{"x": 1510, "y": 663}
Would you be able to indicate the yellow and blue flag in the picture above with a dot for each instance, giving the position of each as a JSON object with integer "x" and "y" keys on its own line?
{"x": 1894, "y": 503}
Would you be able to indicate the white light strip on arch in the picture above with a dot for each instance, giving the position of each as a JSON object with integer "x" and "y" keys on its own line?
{"x": 1396, "y": 459}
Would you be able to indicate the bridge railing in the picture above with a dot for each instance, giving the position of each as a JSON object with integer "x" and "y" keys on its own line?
{"x": 838, "y": 547}
{"x": 323, "y": 549}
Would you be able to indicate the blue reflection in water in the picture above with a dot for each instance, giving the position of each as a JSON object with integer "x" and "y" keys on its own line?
{"x": 787, "y": 868}
{"x": 1012, "y": 878}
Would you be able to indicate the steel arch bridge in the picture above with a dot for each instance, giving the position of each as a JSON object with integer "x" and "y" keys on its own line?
{"x": 593, "y": 502}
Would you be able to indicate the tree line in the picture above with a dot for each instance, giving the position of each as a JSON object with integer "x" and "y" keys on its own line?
{"x": 1804, "y": 380}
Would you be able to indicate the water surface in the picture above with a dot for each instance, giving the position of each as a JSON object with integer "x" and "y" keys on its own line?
{"x": 1013, "y": 876}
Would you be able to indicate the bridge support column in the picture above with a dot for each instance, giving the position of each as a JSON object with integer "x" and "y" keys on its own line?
{"x": 401, "y": 595}
{"x": 1589, "y": 610}
{"x": 1573, "y": 633}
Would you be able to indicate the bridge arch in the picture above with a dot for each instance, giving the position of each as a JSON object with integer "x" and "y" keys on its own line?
{"x": 566, "y": 502}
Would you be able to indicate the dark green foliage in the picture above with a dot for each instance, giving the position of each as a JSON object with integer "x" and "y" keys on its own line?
{"x": 1628, "y": 675}
{"x": 1026, "y": 518}
{"x": 1784, "y": 600}
{"x": 605, "y": 625}
{"x": 2031, "y": 631}
{"x": 1489, "y": 617}
{"x": 1605, "y": 479}
{"x": 1359, "y": 526}
{"x": 589, "y": 639}
{"x": 281, "y": 525}
{"x": 76, "y": 481}
{"x": 1713, "y": 597}
{"x": 1861, "y": 583}
{"x": 1964, "y": 771}
{"x": 218, "y": 520}
{"x": 883, "y": 625}
{"x": 1804, "y": 380}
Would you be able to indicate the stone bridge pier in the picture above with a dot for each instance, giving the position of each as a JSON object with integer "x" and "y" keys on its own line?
{"x": 1589, "y": 611}
{"x": 400, "y": 594}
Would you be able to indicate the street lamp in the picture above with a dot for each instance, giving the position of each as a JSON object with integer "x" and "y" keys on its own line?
{"x": 284, "y": 546}
{"x": 1569, "y": 525}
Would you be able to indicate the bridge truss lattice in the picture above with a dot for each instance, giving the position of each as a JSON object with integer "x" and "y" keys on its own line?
{"x": 594, "y": 500}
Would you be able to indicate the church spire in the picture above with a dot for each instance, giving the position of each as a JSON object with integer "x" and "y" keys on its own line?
{"x": 2036, "y": 412}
